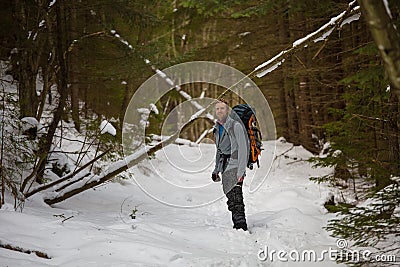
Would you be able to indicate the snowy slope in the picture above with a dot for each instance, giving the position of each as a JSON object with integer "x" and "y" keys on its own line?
{"x": 284, "y": 214}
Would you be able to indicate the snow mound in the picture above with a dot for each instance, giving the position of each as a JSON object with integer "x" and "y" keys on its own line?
{"x": 107, "y": 127}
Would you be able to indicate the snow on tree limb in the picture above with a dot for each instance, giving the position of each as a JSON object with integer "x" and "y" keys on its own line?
{"x": 178, "y": 88}
{"x": 204, "y": 135}
{"x": 167, "y": 79}
{"x": 65, "y": 178}
{"x": 178, "y": 141}
{"x": 321, "y": 34}
{"x": 386, "y": 3}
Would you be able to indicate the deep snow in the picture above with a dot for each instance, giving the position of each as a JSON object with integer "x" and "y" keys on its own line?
{"x": 285, "y": 213}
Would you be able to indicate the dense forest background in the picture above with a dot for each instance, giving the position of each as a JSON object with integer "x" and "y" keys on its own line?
{"x": 96, "y": 54}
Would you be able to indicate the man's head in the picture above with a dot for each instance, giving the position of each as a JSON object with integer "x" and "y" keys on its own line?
{"x": 221, "y": 109}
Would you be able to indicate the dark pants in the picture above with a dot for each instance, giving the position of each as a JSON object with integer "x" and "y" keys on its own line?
{"x": 236, "y": 206}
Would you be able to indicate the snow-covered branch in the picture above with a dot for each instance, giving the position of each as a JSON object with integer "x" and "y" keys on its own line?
{"x": 350, "y": 14}
{"x": 178, "y": 88}
{"x": 67, "y": 177}
{"x": 178, "y": 141}
{"x": 204, "y": 134}
{"x": 167, "y": 79}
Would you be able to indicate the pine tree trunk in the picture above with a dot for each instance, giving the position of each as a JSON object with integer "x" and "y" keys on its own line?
{"x": 62, "y": 88}
{"x": 303, "y": 88}
{"x": 283, "y": 35}
{"x": 386, "y": 38}
{"x": 73, "y": 66}
{"x": 393, "y": 135}
{"x": 25, "y": 62}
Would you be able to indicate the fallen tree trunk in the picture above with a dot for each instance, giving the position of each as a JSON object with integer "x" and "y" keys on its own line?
{"x": 65, "y": 178}
{"x": 23, "y": 250}
{"x": 178, "y": 141}
{"x": 114, "y": 169}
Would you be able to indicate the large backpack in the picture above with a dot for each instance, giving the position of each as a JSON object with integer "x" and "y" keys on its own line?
{"x": 248, "y": 116}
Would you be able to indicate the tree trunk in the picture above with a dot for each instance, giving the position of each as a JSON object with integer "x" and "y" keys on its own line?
{"x": 125, "y": 103}
{"x": 73, "y": 66}
{"x": 386, "y": 38}
{"x": 393, "y": 135}
{"x": 283, "y": 35}
{"x": 28, "y": 100}
{"x": 62, "y": 75}
{"x": 3, "y": 186}
{"x": 25, "y": 61}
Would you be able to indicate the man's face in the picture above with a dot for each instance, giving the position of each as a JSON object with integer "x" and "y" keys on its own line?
{"x": 221, "y": 111}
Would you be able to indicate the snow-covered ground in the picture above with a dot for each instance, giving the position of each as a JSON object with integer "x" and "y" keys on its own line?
{"x": 286, "y": 213}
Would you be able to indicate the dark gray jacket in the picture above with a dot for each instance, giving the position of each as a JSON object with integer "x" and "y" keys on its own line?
{"x": 233, "y": 142}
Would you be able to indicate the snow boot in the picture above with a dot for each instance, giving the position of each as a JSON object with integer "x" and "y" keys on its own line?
{"x": 236, "y": 207}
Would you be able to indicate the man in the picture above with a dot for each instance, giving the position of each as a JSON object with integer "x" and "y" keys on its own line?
{"x": 231, "y": 160}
